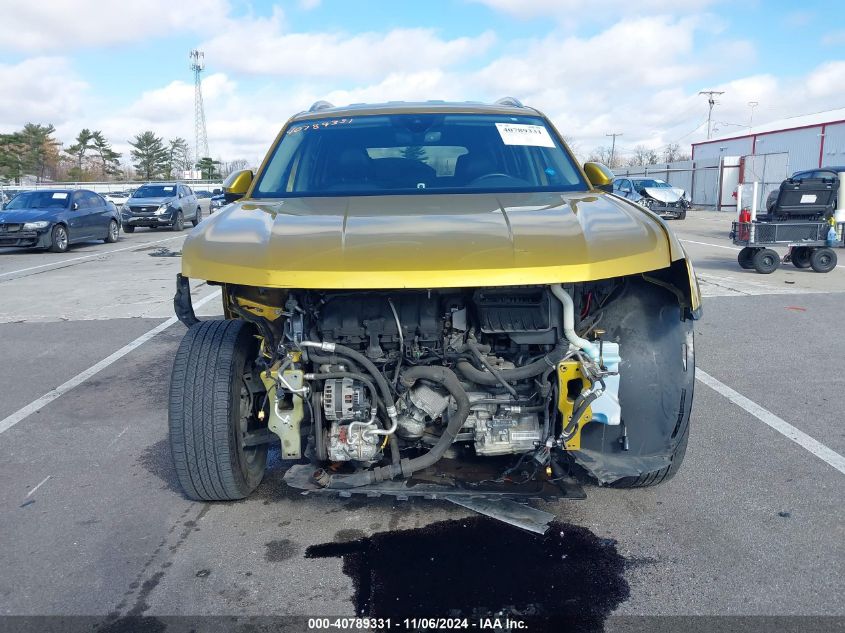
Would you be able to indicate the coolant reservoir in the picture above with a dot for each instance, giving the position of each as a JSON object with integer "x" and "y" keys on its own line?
{"x": 605, "y": 408}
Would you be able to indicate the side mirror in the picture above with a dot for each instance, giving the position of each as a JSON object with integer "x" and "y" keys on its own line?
{"x": 599, "y": 175}
{"x": 75, "y": 206}
{"x": 236, "y": 185}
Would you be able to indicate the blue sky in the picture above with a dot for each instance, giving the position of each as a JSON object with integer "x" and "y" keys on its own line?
{"x": 634, "y": 67}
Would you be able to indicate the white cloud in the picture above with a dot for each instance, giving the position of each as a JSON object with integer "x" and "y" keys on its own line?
{"x": 308, "y": 5}
{"x": 576, "y": 10}
{"x": 260, "y": 46}
{"x": 834, "y": 38}
{"x": 65, "y": 25}
{"x": 638, "y": 75}
{"x": 39, "y": 90}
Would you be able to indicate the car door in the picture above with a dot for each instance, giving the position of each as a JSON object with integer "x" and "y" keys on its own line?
{"x": 101, "y": 215}
{"x": 78, "y": 227}
{"x": 191, "y": 205}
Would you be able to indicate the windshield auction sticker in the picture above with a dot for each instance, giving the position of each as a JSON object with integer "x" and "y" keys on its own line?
{"x": 519, "y": 134}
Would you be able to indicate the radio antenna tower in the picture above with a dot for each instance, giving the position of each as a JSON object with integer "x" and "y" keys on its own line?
{"x": 200, "y": 134}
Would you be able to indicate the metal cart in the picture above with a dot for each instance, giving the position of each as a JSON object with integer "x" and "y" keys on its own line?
{"x": 807, "y": 242}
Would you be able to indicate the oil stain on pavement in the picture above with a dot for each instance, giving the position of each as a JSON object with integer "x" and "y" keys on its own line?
{"x": 567, "y": 579}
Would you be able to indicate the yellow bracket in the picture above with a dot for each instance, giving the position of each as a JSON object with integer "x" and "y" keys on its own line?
{"x": 285, "y": 422}
{"x": 567, "y": 372}
{"x": 271, "y": 313}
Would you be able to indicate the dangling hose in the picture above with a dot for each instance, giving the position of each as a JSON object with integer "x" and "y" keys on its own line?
{"x": 407, "y": 467}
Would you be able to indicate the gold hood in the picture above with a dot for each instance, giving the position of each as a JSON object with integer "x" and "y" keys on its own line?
{"x": 427, "y": 241}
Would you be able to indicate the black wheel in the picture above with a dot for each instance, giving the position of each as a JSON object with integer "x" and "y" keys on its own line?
{"x": 59, "y": 240}
{"x": 213, "y": 403}
{"x": 766, "y": 261}
{"x": 178, "y": 222}
{"x": 114, "y": 232}
{"x": 746, "y": 257}
{"x": 682, "y": 215}
{"x": 657, "y": 376}
{"x": 800, "y": 256}
{"x": 128, "y": 228}
{"x": 823, "y": 260}
{"x": 197, "y": 217}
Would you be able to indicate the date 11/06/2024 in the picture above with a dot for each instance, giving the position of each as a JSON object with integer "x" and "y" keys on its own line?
{"x": 432, "y": 624}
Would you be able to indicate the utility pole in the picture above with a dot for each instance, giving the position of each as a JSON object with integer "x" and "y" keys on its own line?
{"x": 711, "y": 102}
{"x": 200, "y": 134}
{"x": 752, "y": 105}
{"x": 613, "y": 146}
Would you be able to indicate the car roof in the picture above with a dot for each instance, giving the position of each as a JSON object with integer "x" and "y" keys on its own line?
{"x": 51, "y": 190}
{"x": 320, "y": 111}
{"x": 836, "y": 168}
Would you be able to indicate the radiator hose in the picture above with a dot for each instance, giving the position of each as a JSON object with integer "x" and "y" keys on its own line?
{"x": 407, "y": 467}
{"x": 472, "y": 373}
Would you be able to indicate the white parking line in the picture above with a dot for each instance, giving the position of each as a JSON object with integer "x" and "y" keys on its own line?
{"x": 39, "y": 485}
{"x": 783, "y": 427}
{"x": 100, "y": 254}
{"x": 730, "y": 248}
{"x": 81, "y": 377}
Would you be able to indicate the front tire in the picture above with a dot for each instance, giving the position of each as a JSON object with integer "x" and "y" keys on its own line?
{"x": 59, "y": 240}
{"x": 178, "y": 222}
{"x": 211, "y": 407}
{"x": 766, "y": 261}
{"x": 128, "y": 228}
{"x": 657, "y": 377}
{"x": 197, "y": 217}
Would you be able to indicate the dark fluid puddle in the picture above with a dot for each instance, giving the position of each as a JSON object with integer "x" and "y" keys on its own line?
{"x": 568, "y": 579}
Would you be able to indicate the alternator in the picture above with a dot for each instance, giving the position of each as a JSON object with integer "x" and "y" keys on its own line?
{"x": 345, "y": 399}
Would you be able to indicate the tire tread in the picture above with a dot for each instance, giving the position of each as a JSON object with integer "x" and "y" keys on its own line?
{"x": 201, "y": 440}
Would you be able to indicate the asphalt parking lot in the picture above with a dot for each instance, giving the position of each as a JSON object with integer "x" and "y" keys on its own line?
{"x": 93, "y": 522}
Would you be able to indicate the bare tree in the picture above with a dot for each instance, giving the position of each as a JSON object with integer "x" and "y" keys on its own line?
{"x": 644, "y": 156}
{"x": 232, "y": 166}
{"x": 604, "y": 155}
{"x": 672, "y": 153}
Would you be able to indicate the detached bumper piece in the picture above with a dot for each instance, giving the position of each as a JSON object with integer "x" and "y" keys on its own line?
{"x": 474, "y": 489}
{"x": 182, "y": 305}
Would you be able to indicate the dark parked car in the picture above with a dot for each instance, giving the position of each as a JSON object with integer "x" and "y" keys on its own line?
{"x": 821, "y": 172}
{"x": 218, "y": 201}
{"x": 57, "y": 218}
{"x": 161, "y": 204}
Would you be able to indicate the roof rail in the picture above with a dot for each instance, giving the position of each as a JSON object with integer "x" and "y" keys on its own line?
{"x": 320, "y": 105}
{"x": 510, "y": 101}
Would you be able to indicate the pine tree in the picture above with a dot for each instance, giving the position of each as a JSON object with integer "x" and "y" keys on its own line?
{"x": 39, "y": 148}
{"x": 150, "y": 155}
{"x": 78, "y": 151}
{"x": 208, "y": 168}
{"x": 109, "y": 165}
{"x": 179, "y": 156}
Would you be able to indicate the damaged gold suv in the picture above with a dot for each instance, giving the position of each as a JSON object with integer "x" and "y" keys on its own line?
{"x": 431, "y": 298}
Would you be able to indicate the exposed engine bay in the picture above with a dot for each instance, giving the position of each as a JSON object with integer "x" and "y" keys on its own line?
{"x": 377, "y": 385}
